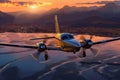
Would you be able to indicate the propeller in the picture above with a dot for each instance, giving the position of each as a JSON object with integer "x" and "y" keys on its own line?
{"x": 82, "y": 37}
{"x": 41, "y": 48}
{"x": 91, "y": 37}
{"x": 36, "y": 55}
{"x": 87, "y": 44}
{"x": 45, "y": 40}
{"x": 94, "y": 51}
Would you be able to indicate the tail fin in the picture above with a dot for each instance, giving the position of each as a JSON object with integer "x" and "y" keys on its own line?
{"x": 56, "y": 24}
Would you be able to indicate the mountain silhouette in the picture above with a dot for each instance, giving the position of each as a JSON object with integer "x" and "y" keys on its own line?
{"x": 6, "y": 18}
{"x": 71, "y": 16}
{"x": 105, "y": 16}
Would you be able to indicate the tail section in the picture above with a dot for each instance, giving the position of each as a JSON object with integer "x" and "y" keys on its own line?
{"x": 56, "y": 24}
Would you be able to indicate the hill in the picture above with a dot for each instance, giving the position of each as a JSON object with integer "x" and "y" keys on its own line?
{"x": 103, "y": 21}
{"x": 6, "y": 18}
{"x": 105, "y": 16}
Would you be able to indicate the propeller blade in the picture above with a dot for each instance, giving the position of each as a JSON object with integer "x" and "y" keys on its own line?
{"x": 91, "y": 37}
{"x": 46, "y": 55}
{"x": 82, "y": 37}
{"x": 36, "y": 55}
{"x": 94, "y": 51}
{"x": 45, "y": 40}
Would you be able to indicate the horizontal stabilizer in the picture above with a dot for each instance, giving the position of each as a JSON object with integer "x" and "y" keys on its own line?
{"x": 42, "y": 38}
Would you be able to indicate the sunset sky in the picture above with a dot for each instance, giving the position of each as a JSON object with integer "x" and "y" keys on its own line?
{"x": 35, "y": 5}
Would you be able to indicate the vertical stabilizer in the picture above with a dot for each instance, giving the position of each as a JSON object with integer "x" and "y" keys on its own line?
{"x": 56, "y": 24}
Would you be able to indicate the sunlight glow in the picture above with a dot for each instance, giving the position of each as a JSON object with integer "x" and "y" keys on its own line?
{"x": 33, "y": 6}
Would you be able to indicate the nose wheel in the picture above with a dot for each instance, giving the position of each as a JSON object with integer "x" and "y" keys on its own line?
{"x": 74, "y": 52}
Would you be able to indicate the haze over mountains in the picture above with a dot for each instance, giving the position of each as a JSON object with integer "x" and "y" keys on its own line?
{"x": 6, "y": 18}
{"x": 105, "y": 16}
{"x": 102, "y": 21}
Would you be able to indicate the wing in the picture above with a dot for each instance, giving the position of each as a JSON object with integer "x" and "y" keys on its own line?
{"x": 30, "y": 46}
{"x": 105, "y": 41}
{"x": 16, "y": 45}
{"x": 54, "y": 48}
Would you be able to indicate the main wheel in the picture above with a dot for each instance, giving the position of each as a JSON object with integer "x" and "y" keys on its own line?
{"x": 84, "y": 54}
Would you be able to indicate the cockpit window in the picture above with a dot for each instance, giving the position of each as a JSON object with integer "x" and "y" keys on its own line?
{"x": 66, "y": 37}
{"x": 71, "y": 37}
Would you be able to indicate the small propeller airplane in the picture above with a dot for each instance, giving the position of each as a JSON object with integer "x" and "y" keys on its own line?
{"x": 64, "y": 42}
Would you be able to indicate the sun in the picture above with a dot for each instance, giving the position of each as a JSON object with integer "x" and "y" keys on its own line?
{"x": 33, "y": 7}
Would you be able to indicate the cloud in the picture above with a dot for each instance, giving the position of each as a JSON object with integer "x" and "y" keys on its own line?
{"x": 24, "y": 4}
{"x": 102, "y": 2}
{"x": 5, "y": 1}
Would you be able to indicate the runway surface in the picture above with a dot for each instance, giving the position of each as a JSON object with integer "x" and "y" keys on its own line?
{"x": 17, "y": 63}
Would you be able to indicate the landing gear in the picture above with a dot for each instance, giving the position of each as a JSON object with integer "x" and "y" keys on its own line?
{"x": 74, "y": 52}
{"x": 46, "y": 56}
{"x": 84, "y": 54}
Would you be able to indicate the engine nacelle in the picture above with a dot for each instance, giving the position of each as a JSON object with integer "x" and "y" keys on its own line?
{"x": 87, "y": 44}
{"x": 41, "y": 47}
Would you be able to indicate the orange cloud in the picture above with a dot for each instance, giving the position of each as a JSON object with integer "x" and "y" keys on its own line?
{"x": 97, "y": 3}
{"x": 47, "y": 4}
{"x": 100, "y": 2}
{"x": 22, "y": 3}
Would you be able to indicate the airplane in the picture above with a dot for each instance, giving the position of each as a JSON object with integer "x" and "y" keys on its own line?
{"x": 64, "y": 42}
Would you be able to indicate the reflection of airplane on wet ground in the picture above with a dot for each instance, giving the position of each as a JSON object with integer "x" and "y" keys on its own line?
{"x": 64, "y": 42}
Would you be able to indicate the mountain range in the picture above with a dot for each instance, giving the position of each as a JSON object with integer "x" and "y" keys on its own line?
{"x": 6, "y": 18}
{"x": 104, "y": 16}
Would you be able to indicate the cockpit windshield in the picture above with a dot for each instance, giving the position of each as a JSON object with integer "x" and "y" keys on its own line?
{"x": 67, "y": 37}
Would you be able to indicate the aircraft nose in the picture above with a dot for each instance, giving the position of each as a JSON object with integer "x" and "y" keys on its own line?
{"x": 74, "y": 43}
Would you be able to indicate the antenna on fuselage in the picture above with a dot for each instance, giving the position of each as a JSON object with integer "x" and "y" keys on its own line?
{"x": 56, "y": 24}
